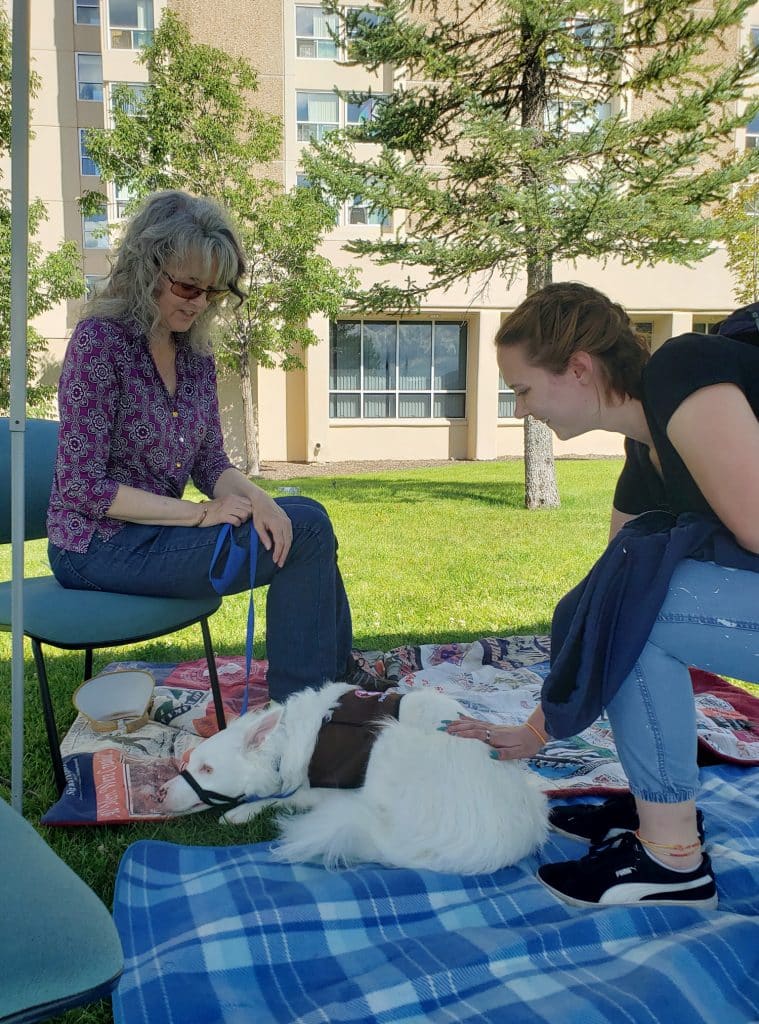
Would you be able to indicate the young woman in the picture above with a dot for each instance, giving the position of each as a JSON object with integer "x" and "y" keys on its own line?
{"x": 139, "y": 417}
{"x": 672, "y": 590}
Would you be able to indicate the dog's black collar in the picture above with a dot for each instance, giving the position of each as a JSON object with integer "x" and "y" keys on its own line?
{"x": 227, "y": 803}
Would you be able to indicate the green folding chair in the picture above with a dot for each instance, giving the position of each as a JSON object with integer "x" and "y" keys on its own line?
{"x": 58, "y": 944}
{"x": 81, "y": 619}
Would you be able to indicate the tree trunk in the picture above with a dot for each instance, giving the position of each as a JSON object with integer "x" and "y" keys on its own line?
{"x": 249, "y": 386}
{"x": 540, "y": 488}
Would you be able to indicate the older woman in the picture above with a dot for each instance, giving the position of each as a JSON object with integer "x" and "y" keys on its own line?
{"x": 140, "y": 417}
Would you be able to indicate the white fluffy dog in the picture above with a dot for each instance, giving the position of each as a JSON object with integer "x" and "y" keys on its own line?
{"x": 428, "y": 799}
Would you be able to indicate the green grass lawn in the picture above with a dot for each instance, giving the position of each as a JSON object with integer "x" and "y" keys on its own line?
{"x": 428, "y": 555}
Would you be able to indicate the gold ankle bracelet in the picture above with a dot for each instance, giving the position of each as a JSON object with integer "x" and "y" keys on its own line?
{"x": 673, "y": 849}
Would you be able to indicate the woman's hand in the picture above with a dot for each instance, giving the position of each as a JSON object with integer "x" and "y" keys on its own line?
{"x": 273, "y": 526}
{"x": 232, "y": 508}
{"x": 509, "y": 742}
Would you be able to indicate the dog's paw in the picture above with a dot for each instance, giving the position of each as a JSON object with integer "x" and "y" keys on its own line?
{"x": 239, "y": 815}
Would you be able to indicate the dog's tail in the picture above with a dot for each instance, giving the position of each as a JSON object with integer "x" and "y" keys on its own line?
{"x": 338, "y": 832}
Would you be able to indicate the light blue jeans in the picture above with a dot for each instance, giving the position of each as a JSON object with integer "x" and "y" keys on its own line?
{"x": 709, "y": 619}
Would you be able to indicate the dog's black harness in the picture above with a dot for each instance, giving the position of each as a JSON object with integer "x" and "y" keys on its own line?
{"x": 342, "y": 750}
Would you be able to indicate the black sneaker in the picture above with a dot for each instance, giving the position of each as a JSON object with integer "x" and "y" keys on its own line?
{"x": 621, "y": 872}
{"x": 357, "y": 676}
{"x": 597, "y": 823}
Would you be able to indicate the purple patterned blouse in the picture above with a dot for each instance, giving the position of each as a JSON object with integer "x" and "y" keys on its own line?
{"x": 120, "y": 425}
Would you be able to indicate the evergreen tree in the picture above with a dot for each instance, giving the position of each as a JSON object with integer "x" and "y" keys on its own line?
{"x": 52, "y": 277}
{"x": 525, "y": 132}
{"x": 194, "y": 129}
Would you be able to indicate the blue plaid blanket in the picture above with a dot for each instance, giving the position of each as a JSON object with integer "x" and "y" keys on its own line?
{"x": 215, "y": 934}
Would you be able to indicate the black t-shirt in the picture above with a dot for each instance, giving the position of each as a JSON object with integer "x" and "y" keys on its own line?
{"x": 681, "y": 366}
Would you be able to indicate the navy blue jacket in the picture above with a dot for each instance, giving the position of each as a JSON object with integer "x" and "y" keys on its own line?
{"x": 601, "y": 626}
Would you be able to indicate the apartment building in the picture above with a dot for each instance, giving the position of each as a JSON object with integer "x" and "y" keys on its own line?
{"x": 425, "y": 386}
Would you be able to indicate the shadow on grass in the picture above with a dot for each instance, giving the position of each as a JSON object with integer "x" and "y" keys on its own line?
{"x": 407, "y": 490}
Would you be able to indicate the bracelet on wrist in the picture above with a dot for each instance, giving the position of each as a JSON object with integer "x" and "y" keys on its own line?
{"x": 203, "y": 514}
{"x": 537, "y": 734}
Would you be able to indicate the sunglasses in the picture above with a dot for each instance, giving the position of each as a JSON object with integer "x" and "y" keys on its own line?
{"x": 185, "y": 290}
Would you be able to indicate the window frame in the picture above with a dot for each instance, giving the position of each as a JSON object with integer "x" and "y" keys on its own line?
{"x": 335, "y": 55}
{"x": 561, "y": 115}
{"x": 101, "y": 241}
{"x": 506, "y": 399}
{"x": 375, "y": 217}
{"x": 341, "y": 44}
{"x": 80, "y": 82}
{"x": 397, "y": 393}
{"x": 92, "y": 5}
{"x": 707, "y": 322}
{"x": 119, "y": 201}
{"x": 132, "y": 30}
{"x": 752, "y": 133}
{"x": 328, "y": 125}
{"x": 136, "y": 87}
{"x": 83, "y": 156}
{"x": 90, "y": 281}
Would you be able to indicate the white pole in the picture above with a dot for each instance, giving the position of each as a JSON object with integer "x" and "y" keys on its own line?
{"x": 17, "y": 419}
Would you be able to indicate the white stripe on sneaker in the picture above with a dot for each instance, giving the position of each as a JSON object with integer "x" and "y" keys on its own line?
{"x": 646, "y": 892}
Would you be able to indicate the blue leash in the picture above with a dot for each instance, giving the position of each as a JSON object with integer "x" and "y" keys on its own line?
{"x": 221, "y": 584}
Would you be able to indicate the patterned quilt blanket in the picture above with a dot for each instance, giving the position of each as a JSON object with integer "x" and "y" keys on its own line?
{"x": 226, "y": 934}
{"x": 112, "y": 778}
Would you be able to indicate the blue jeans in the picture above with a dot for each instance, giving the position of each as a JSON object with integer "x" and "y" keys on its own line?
{"x": 709, "y": 619}
{"x": 308, "y": 621}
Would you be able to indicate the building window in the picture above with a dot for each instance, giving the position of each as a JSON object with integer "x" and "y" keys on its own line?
{"x": 391, "y": 369}
{"x": 89, "y": 76}
{"x": 130, "y": 23}
{"x": 86, "y": 164}
{"x": 362, "y": 109}
{"x": 122, "y": 197}
{"x": 87, "y": 12}
{"x": 705, "y": 326}
{"x": 317, "y": 114}
{"x": 90, "y": 284}
{"x": 315, "y": 34}
{"x": 646, "y": 328}
{"x": 752, "y": 133}
{"x": 574, "y": 116}
{"x": 754, "y": 36}
{"x": 590, "y": 31}
{"x": 355, "y": 211}
{"x": 302, "y": 181}
{"x": 363, "y": 211}
{"x": 95, "y": 230}
{"x": 584, "y": 29}
{"x": 127, "y": 97}
{"x": 507, "y": 400}
{"x": 358, "y": 17}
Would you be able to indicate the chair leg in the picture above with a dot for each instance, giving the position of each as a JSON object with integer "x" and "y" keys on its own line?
{"x": 49, "y": 716}
{"x": 213, "y": 674}
{"x": 87, "y": 663}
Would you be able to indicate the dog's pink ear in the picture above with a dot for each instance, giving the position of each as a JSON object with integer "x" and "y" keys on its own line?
{"x": 261, "y": 728}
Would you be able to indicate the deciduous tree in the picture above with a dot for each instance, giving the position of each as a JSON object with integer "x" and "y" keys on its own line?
{"x": 195, "y": 128}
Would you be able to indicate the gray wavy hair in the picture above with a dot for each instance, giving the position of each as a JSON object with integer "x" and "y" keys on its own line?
{"x": 168, "y": 227}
